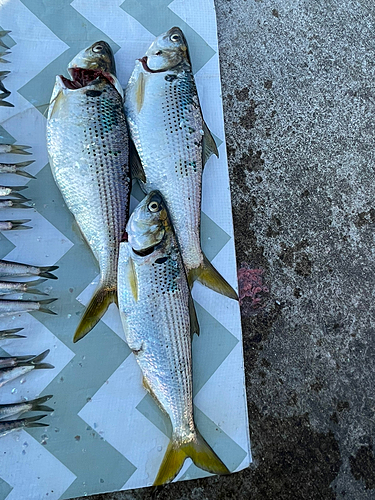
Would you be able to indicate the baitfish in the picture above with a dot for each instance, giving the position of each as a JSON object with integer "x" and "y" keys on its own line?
{"x": 12, "y": 269}
{"x": 23, "y": 367}
{"x": 12, "y": 409}
{"x": 11, "y": 225}
{"x": 10, "y": 307}
{"x": 7, "y": 426}
{"x": 16, "y": 168}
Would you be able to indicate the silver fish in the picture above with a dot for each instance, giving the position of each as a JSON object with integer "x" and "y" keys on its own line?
{"x": 16, "y": 168}
{"x": 12, "y": 269}
{"x": 11, "y": 334}
{"x": 87, "y": 143}
{"x": 7, "y": 426}
{"x": 12, "y": 409}
{"x": 11, "y": 225}
{"x": 7, "y": 287}
{"x": 10, "y": 307}
{"x": 173, "y": 142}
{"x": 13, "y": 191}
{"x": 14, "y": 149}
{"x": 11, "y": 373}
{"x": 158, "y": 317}
{"x": 9, "y": 361}
{"x": 13, "y": 204}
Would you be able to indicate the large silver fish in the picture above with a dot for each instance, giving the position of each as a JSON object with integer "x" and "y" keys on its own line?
{"x": 87, "y": 143}
{"x": 173, "y": 143}
{"x": 159, "y": 319}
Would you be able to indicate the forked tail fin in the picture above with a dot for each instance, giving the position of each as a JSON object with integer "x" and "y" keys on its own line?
{"x": 198, "y": 450}
{"x": 208, "y": 276}
{"x": 103, "y": 297}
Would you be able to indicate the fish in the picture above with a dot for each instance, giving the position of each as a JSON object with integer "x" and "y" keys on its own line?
{"x": 11, "y": 225}
{"x": 158, "y": 317}
{"x": 13, "y": 269}
{"x": 87, "y": 143}
{"x": 16, "y": 168}
{"x": 16, "y": 149}
{"x": 4, "y": 61}
{"x": 24, "y": 367}
{"x": 13, "y": 204}
{"x": 12, "y": 409}
{"x": 7, "y": 426}
{"x": 7, "y": 287}
{"x": 173, "y": 143}
{"x": 13, "y": 191}
{"x": 9, "y": 361}
{"x": 4, "y": 32}
{"x": 11, "y": 334}
{"x": 10, "y": 307}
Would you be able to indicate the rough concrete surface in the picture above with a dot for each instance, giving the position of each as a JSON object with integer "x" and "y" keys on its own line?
{"x": 299, "y": 105}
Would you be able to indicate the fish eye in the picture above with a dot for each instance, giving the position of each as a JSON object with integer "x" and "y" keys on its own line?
{"x": 97, "y": 48}
{"x": 174, "y": 38}
{"x": 158, "y": 53}
{"x": 153, "y": 206}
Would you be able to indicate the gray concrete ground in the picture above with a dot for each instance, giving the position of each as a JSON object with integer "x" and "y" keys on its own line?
{"x": 299, "y": 103}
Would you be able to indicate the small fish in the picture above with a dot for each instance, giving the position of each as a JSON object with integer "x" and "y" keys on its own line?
{"x": 11, "y": 225}
{"x": 87, "y": 142}
{"x": 12, "y": 191}
{"x": 12, "y": 409}
{"x": 10, "y": 307}
{"x": 174, "y": 143}
{"x": 4, "y": 32}
{"x": 16, "y": 168}
{"x": 9, "y": 268}
{"x": 158, "y": 316}
{"x": 10, "y": 361}
{"x": 4, "y": 61}
{"x": 11, "y": 334}
{"x": 7, "y": 287}
{"x": 16, "y": 149}
{"x": 11, "y": 373}
{"x": 7, "y": 426}
{"x": 13, "y": 204}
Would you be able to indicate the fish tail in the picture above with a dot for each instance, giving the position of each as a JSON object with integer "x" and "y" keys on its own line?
{"x": 20, "y": 150}
{"x": 20, "y": 188}
{"x": 46, "y": 272}
{"x": 104, "y": 296}
{"x": 19, "y": 204}
{"x": 208, "y": 276}
{"x": 10, "y": 331}
{"x": 35, "y": 290}
{"x": 198, "y": 450}
{"x": 36, "y": 361}
{"x": 6, "y": 104}
{"x": 37, "y": 404}
{"x": 19, "y": 224}
{"x": 45, "y": 309}
{"x": 33, "y": 421}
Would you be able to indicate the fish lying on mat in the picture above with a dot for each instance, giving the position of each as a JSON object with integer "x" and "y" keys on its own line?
{"x": 159, "y": 319}
{"x": 13, "y": 409}
{"x": 10, "y": 307}
{"x": 12, "y": 269}
{"x": 7, "y": 426}
{"x": 173, "y": 142}
{"x": 7, "y": 287}
{"x": 14, "y": 149}
{"x": 13, "y": 191}
{"x": 11, "y": 334}
{"x": 16, "y": 168}
{"x": 87, "y": 144}
{"x": 24, "y": 367}
{"x": 12, "y": 225}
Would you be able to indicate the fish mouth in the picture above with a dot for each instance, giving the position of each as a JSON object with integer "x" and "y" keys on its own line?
{"x": 82, "y": 77}
{"x": 149, "y": 70}
{"x": 145, "y": 251}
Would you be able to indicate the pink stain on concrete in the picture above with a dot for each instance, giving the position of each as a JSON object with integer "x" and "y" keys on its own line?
{"x": 250, "y": 284}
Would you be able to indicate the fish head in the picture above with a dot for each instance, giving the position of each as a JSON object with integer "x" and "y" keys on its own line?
{"x": 148, "y": 224}
{"x": 98, "y": 56}
{"x": 166, "y": 52}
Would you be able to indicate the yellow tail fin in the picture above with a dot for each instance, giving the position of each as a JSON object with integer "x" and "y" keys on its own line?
{"x": 198, "y": 450}
{"x": 208, "y": 276}
{"x": 103, "y": 296}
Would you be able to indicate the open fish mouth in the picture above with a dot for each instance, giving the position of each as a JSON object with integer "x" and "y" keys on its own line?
{"x": 82, "y": 77}
{"x": 149, "y": 70}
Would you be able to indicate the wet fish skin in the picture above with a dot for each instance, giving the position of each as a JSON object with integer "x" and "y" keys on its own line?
{"x": 173, "y": 142}
{"x": 14, "y": 149}
{"x": 22, "y": 368}
{"x": 11, "y": 334}
{"x": 7, "y": 426}
{"x": 10, "y": 307}
{"x": 158, "y": 317}
{"x": 7, "y": 287}
{"x": 88, "y": 122}
{"x": 12, "y": 225}
{"x": 13, "y": 269}
{"x": 12, "y": 409}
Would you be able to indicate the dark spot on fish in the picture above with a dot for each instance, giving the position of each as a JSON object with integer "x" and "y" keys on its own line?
{"x": 161, "y": 260}
{"x": 268, "y": 84}
{"x": 93, "y": 93}
{"x": 170, "y": 78}
{"x": 275, "y": 12}
{"x": 363, "y": 466}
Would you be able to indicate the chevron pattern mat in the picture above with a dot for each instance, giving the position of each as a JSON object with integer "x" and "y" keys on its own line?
{"x": 106, "y": 433}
